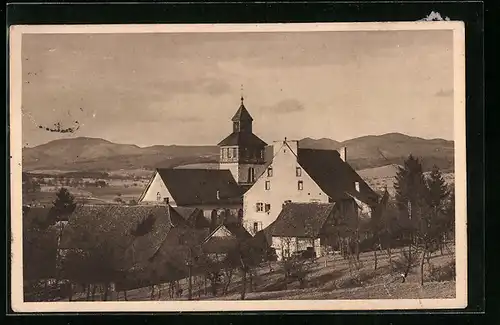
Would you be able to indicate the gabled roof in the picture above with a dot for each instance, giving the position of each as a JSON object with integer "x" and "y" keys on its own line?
{"x": 242, "y": 114}
{"x": 135, "y": 233}
{"x": 193, "y": 216}
{"x": 245, "y": 139}
{"x": 200, "y": 186}
{"x": 334, "y": 176}
{"x": 301, "y": 220}
{"x": 235, "y": 232}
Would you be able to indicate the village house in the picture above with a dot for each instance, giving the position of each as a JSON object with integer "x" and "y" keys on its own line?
{"x": 223, "y": 239}
{"x": 215, "y": 192}
{"x": 314, "y": 227}
{"x": 304, "y": 176}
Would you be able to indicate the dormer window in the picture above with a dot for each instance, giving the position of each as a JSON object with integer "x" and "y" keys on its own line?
{"x": 298, "y": 171}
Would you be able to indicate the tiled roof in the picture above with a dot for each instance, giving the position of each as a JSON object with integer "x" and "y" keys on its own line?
{"x": 334, "y": 176}
{"x": 200, "y": 186}
{"x": 134, "y": 232}
{"x": 242, "y": 114}
{"x": 301, "y": 220}
{"x": 214, "y": 244}
{"x": 193, "y": 216}
{"x": 245, "y": 139}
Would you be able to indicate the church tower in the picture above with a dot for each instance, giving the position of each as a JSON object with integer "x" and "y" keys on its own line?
{"x": 242, "y": 152}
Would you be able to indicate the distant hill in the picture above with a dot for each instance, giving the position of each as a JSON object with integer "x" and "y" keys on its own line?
{"x": 94, "y": 154}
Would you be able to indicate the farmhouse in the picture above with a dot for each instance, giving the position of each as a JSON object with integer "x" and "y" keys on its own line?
{"x": 308, "y": 226}
{"x": 223, "y": 239}
{"x": 301, "y": 176}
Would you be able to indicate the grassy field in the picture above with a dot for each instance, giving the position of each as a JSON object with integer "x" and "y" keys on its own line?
{"x": 328, "y": 278}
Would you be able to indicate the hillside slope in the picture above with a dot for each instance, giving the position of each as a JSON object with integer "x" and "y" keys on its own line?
{"x": 94, "y": 154}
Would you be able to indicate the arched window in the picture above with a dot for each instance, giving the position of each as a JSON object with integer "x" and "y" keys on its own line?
{"x": 158, "y": 196}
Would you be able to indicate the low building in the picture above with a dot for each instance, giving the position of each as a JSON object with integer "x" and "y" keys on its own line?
{"x": 215, "y": 192}
{"x": 303, "y": 226}
{"x": 223, "y": 239}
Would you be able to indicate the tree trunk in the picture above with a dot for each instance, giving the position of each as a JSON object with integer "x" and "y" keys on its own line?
{"x": 375, "y": 257}
{"x": 228, "y": 282}
{"x": 106, "y": 292}
{"x": 152, "y": 292}
{"x": 46, "y": 290}
{"x": 94, "y": 288}
{"x": 87, "y": 289}
{"x": 70, "y": 292}
{"x": 389, "y": 254}
{"x": 244, "y": 285}
{"x": 190, "y": 284}
{"x": 205, "y": 284}
{"x": 422, "y": 260}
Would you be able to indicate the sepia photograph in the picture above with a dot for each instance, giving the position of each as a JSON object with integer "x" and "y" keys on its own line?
{"x": 238, "y": 167}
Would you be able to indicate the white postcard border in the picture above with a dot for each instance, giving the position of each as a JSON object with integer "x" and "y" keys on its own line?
{"x": 18, "y": 305}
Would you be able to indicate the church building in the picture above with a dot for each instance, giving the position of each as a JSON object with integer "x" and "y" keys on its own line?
{"x": 216, "y": 192}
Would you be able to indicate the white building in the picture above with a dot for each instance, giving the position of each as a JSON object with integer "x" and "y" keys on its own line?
{"x": 302, "y": 176}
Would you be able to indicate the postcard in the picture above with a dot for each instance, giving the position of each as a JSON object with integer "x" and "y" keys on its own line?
{"x": 238, "y": 167}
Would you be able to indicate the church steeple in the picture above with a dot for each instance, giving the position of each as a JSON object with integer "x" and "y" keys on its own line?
{"x": 242, "y": 120}
{"x": 242, "y": 152}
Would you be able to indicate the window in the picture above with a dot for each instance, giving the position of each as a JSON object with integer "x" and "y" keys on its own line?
{"x": 235, "y": 153}
{"x": 298, "y": 171}
{"x": 270, "y": 172}
{"x": 158, "y": 196}
{"x": 255, "y": 227}
{"x": 262, "y": 154}
{"x": 251, "y": 175}
{"x": 267, "y": 208}
{"x": 356, "y": 185}
{"x": 268, "y": 185}
{"x": 300, "y": 185}
{"x": 229, "y": 153}
{"x": 259, "y": 207}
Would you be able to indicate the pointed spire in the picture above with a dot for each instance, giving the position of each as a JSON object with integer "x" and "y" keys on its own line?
{"x": 242, "y": 113}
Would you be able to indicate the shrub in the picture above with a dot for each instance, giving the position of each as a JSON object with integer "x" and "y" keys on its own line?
{"x": 353, "y": 280}
{"x": 441, "y": 273}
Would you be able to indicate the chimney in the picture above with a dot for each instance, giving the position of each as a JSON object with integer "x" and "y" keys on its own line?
{"x": 218, "y": 195}
{"x": 343, "y": 153}
{"x": 166, "y": 200}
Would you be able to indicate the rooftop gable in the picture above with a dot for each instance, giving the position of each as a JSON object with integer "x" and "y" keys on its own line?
{"x": 301, "y": 220}
{"x": 334, "y": 176}
{"x": 201, "y": 186}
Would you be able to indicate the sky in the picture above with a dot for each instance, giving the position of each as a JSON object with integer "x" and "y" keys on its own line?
{"x": 165, "y": 88}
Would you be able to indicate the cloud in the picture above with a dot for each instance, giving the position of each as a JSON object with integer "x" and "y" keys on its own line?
{"x": 285, "y": 106}
{"x": 444, "y": 93}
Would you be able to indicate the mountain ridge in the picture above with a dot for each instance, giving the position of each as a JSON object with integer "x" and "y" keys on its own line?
{"x": 87, "y": 153}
